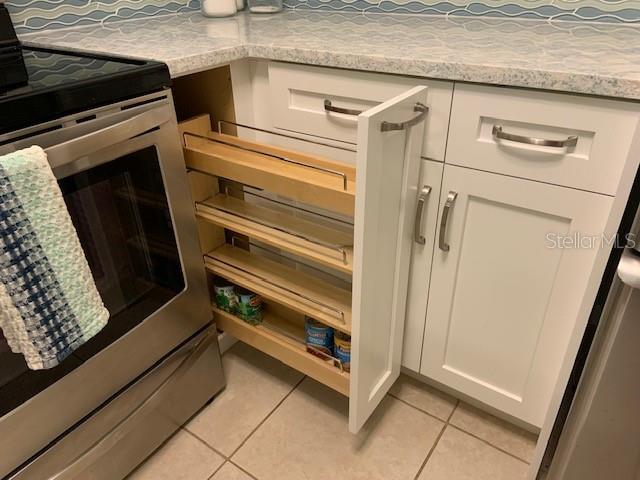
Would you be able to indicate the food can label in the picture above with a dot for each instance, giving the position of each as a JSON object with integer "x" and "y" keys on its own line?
{"x": 250, "y": 308}
{"x": 226, "y": 298}
{"x": 319, "y": 337}
{"x": 342, "y": 350}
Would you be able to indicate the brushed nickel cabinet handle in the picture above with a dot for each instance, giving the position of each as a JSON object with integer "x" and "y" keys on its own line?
{"x": 422, "y": 111}
{"x": 497, "y": 132}
{"x": 417, "y": 226}
{"x": 448, "y": 204}
{"x": 328, "y": 107}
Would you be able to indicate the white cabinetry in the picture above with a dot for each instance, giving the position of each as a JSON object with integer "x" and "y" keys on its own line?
{"x": 521, "y": 240}
{"x": 494, "y": 311}
{"x": 504, "y": 294}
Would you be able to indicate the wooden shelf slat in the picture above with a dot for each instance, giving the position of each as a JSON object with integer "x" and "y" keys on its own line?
{"x": 298, "y": 182}
{"x": 297, "y": 288}
{"x": 238, "y": 215}
{"x": 282, "y": 347}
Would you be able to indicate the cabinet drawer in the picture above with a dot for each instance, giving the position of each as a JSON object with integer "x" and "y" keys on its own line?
{"x": 298, "y": 94}
{"x": 597, "y": 136}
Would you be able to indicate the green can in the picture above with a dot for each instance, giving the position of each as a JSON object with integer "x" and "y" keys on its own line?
{"x": 226, "y": 297}
{"x": 249, "y": 306}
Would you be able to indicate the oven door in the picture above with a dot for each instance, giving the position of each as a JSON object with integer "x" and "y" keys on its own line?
{"x": 125, "y": 185}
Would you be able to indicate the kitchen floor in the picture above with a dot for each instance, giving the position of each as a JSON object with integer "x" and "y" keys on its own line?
{"x": 271, "y": 422}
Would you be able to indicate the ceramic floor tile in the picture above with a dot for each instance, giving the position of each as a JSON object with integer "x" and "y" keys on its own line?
{"x": 497, "y": 432}
{"x": 256, "y": 383}
{"x": 183, "y": 457}
{"x": 423, "y": 396}
{"x": 230, "y": 472}
{"x": 459, "y": 456}
{"x": 307, "y": 438}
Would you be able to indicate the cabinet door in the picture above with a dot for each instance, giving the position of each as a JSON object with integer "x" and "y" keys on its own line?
{"x": 387, "y": 169}
{"x": 505, "y": 296}
{"x": 428, "y": 194}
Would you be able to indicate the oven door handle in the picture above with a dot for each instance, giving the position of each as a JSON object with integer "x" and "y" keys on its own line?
{"x": 123, "y": 427}
{"x": 71, "y": 150}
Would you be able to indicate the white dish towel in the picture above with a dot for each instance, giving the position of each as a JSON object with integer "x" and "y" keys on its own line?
{"x": 49, "y": 303}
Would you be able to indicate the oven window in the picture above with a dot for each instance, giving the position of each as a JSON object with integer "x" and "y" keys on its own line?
{"x": 121, "y": 213}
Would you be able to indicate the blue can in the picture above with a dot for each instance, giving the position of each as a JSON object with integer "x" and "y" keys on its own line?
{"x": 342, "y": 350}
{"x": 319, "y": 337}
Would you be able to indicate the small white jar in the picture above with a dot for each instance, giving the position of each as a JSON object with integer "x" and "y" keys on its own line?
{"x": 218, "y": 8}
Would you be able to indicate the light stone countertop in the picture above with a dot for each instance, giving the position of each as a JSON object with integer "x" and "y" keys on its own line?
{"x": 598, "y": 59}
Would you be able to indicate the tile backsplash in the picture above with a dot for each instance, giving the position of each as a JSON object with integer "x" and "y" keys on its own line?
{"x": 29, "y": 15}
{"x": 615, "y": 11}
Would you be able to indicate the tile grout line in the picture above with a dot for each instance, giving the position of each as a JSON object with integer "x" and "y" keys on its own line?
{"x": 490, "y": 444}
{"x": 431, "y": 450}
{"x": 421, "y": 410}
{"x": 218, "y": 469}
{"x": 205, "y": 443}
{"x": 267, "y": 416}
{"x": 249, "y": 474}
{"x": 435, "y": 444}
{"x": 448, "y": 422}
{"x": 228, "y": 458}
{"x": 453, "y": 411}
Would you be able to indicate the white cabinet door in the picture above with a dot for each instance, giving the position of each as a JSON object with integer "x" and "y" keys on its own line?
{"x": 387, "y": 167}
{"x": 505, "y": 296}
{"x": 428, "y": 193}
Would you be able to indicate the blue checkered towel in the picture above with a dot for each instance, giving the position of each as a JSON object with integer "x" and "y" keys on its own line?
{"x": 49, "y": 304}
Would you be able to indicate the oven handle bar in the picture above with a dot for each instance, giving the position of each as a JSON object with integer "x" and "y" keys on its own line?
{"x": 71, "y": 150}
{"x": 122, "y": 428}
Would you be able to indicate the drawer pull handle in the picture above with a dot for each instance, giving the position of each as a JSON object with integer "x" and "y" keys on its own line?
{"x": 328, "y": 107}
{"x": 448, "y": 204}
{"x": 571, "y": 141}
{"x": 391, "y": 126}
{"x": 417, "y": 226}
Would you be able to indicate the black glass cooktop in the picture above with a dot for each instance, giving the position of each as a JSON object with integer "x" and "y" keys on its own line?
{"x": 59, "y": 83}
{"x": 49, "y": 69}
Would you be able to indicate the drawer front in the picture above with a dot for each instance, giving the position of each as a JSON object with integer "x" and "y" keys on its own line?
{"x": 298, "y": 93}
{"x": 592, "y": 136}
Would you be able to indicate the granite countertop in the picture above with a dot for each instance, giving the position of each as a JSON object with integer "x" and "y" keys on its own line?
{"x": 599, "y": 59}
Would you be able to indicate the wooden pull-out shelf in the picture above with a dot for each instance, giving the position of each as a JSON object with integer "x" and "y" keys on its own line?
{"x": 298, "y": 176}
{"x": 292, "y": 288}
{"x": 327, "y": 246}
{"x": 268, "y": 338}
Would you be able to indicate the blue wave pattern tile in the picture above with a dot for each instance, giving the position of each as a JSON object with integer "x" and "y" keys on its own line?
{"x": 609, "y": 11}
{"x": 31, "y": 15}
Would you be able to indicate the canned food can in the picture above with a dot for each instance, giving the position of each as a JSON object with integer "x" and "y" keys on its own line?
{"x": 226, "y": 297}
{"x": 342, "y": 349}
{"x": 319, "y": 337}
{"x": 249, "y": 306}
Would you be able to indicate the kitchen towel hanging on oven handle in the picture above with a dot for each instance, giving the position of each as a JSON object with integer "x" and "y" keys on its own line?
{"x": 49, "y": 303}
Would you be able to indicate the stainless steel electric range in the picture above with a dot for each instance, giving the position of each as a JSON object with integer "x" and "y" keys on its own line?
{"x": 109, "y": 128}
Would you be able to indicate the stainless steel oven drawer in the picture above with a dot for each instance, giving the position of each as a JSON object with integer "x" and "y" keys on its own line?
{"x": 109, "y": 444}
